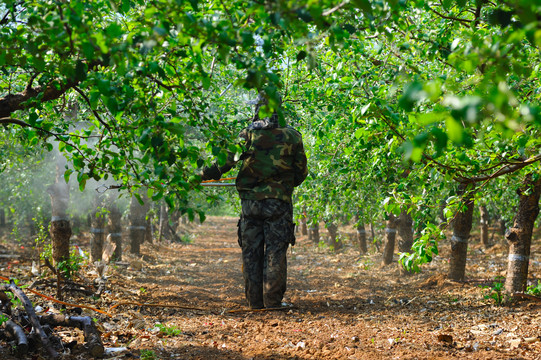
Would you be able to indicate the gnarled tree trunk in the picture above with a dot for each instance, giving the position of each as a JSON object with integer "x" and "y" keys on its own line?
{"x": 462, "y": 224}
{"x": 519, "y": 235}
{"x": 390, "y": 237}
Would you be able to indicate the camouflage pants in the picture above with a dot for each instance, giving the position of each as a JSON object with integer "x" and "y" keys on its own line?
{"x": 265, "y": 231}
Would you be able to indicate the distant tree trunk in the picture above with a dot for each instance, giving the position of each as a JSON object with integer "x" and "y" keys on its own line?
{"x": 149, "y": 230}
{"x": 462, "y": 225}
{"x": 390, "y": 237}
{"x": 483, "y": 226}
{"x": 97, "y": 229}
{"x": 503, "y": 226}
{"x": 373, "y": 237}
{"x": 313, "y": 233}
{"x": 138, "y": 223}
{"x": 361, "y": 235}
{"x": 520, "y": 235}
{"x": 303, "y": 226}
{"x": 114, "y": 226}
{"x": 164, "y": 220}
{"x": 441, "y": 213}
{"x": 333, "y": 240}
{"x": 60, "y": 229}
{"x": 2, "y": 217}
{"x": 405, "y": 232}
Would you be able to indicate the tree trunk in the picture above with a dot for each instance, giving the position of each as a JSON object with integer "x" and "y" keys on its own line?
{"x": 60, "y": 229}
{"x": 97, "y": 229}
{"x": 304, "y": 224}
{"x": 114, "y": 226}
{"x": 520, "y": 235}
{"x": 163, "y": 222}
{"x": 503, "y": 226}
{"x": 462, "y": 224}
{"x": 361, "y": 235}
{"x": 390, "y": 237}
{"x": 138, "y": 223}
{"x": 333, "y": 240}
{"x": 483, "y": 226}
{"x": 313, "y": 233}
{"x": 149, "y": 230}
{"x": 405, "y": 233}
{"x": 2, "y": 217}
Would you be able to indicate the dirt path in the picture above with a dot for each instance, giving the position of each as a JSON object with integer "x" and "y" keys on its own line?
{"x": 345, "y": 307}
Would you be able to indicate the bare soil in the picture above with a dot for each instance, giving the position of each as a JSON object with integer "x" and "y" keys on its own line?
{"x": 344, "y": 306}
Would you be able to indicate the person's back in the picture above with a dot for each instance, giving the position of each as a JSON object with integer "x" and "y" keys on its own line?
{"x": 273, "y": 164}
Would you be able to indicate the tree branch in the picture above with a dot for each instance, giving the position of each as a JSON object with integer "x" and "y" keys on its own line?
{"x": 466, "y": 21}
{"x": 52, "y": 91}
{"x": 87, "y": 100}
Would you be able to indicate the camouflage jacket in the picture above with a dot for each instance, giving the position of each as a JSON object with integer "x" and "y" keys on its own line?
{"x": 273, "y": 163}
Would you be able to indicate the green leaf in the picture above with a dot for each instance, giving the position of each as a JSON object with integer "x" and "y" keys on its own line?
{"x": 455, "y": 131}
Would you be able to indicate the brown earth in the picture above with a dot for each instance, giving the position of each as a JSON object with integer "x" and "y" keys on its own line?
{"x": 345, "y": 306}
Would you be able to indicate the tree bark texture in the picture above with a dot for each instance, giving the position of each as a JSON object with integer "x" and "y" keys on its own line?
{"x": 97, "y": 229}
{"x": 405, "y": 236}
{"x": 405, "y": 232}
{"x": 390, "y": 237}
{"x": 304, "y": 224}
{"x": 313, "y": 233}
{"x": 60, "y": 230}
{"x": 519, "y": 236}
{"x": 483, "y": 226}
{"x": 462, "y": 225}
{"x": 138, "y": 223}
{"x": 333, "y": 239}
{"x": 114, "y": 227}
{"x": 361, "y": 235}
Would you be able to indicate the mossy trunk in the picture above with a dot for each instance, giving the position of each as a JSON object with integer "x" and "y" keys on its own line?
{"x": 390, "y": 237}
{"x": 462, "y": 225}
{"x": 519, "y": 235}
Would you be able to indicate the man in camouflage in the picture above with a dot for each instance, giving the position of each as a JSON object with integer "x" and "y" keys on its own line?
{"x": 273, "y": 163}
